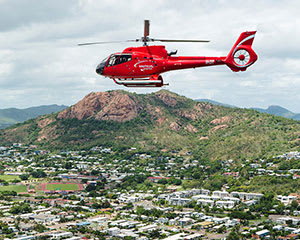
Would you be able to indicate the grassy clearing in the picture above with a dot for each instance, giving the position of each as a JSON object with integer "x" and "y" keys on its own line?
{"x": 52, "y": 187}
{"x": 16, "y": 188}
{"x": 9, "y": 178}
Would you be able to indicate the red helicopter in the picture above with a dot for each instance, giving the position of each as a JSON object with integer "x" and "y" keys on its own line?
{"x": 142, "y": 66}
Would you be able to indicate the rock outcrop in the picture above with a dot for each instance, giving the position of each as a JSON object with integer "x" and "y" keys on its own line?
{"x": 221, "y": 120}
{"x": 114, "y": 106}
{"x": 167, "y": 98}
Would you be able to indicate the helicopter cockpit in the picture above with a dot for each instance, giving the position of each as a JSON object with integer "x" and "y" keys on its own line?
{"x": 114, "y": 59}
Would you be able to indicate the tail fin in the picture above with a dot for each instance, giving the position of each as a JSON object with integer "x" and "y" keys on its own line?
{"x": 242, "y": 55}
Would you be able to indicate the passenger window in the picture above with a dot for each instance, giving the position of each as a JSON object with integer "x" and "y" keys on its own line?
{"x": 118, "y": 59}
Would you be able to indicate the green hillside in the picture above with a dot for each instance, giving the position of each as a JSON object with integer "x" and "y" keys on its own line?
{"x": 11, "y": 116}
{"x": 162, "y": 121}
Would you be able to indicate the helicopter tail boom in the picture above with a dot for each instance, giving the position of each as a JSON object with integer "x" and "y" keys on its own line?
{"x": 241, "y": 56}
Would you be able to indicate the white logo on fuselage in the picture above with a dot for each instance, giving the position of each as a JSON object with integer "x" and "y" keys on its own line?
{"x": 210, "y": 61}
{"x": 144, "y": 66}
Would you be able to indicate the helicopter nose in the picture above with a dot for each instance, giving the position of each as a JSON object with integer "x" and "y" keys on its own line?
{"x": 99, "y": 71}
{"x": 100, "y": 68}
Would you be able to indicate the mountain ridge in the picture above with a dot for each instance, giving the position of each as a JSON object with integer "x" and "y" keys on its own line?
{"x": 163, "y": 121}
{"x": 9, "y": 116}
{"x": 272, "y": 109}
{"x": 279, "y": 111}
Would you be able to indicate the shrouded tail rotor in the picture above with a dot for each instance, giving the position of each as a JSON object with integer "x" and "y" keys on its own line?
{"x": 241, "y": 56}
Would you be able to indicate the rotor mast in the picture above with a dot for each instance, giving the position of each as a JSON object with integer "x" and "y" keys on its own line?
{"x": 146, "y": 39}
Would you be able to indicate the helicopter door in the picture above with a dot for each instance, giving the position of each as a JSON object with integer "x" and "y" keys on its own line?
{"x": 118, "y": 59}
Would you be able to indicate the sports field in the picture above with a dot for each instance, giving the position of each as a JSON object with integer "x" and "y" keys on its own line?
{"x": 61, "y": 186}
{"x": 16, "y": 188}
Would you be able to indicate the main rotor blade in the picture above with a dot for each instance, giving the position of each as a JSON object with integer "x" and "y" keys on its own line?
{"x": 93, "y": 43}
{"x": 179, "y": 40}
{"x": 146, "y": 28}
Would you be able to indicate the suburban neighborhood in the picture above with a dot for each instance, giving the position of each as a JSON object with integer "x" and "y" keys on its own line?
{"x": 105, "y": 193}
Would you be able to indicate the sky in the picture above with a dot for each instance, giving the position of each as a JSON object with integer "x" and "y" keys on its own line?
{"x": 40, "y": 62}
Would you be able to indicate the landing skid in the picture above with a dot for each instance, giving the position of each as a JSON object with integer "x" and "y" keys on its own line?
{"x": 140, "y": 82}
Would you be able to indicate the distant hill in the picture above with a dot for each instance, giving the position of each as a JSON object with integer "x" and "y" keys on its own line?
{"x": 10, "y": 116}
{"x": 275, "y": 110}
{"x": 162, "y": 121}
{"x": 214, "y": 102}
{"x": 279, "y": 111}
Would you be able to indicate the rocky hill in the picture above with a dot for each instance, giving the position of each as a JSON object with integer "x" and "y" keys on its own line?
{"x": 160, "y": 121}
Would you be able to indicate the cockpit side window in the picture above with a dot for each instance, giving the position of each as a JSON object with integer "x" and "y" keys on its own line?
{"x": 118, "y": 59}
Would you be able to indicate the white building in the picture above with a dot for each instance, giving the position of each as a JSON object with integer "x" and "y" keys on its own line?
{"x": 247, "y": 196}
{"x": 286, "y": 199}
{"x": 225, "y": 204}
{"x": 205, "y": 202}
{"x": 221, "y": 194}
{"x": 114, "y": 231}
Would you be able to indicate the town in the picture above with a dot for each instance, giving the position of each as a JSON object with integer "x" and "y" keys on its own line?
{"x": 107, "y": 193}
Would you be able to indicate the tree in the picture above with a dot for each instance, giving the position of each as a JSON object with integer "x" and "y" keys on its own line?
{"x": 154, "y": 234}
{"x": 39, "y": 228}
{"x": 294, "y": 205}
{"x": 90, "y": 187}
{"x": 162, "y": 181}
{"x": 38, "y": 174}
{"x": 22, "y": 208}
{"x": 68, "y": 165}
{"x": 233, "y": 236}
{"x": 24, "y": 176}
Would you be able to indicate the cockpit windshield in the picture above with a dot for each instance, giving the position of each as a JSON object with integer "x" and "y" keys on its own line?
{"x": 101, "y": 66}
{"x": 118, "y": 59}
{"x": 104, "y": 60}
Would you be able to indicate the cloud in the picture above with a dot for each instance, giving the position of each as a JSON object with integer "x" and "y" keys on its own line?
{"x": 41, "y": 64}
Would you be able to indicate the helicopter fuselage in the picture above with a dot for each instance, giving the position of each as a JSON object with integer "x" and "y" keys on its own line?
{"x": 149, "y": 61}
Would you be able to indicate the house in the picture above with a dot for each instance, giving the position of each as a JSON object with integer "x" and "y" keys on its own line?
{"x": 177, "y": 236}
{"x": 261, "y": 234}
{"x": 194, "y": 236}
{"x": 60, "y": 235}
{"x": 290, "y": 236}
{"x": 83, "y": 224}
{"x": 221, "y": 194}
{"x": 179, "y": 201}
{"x": 247, "y": 196}
{"x": 98, "y": 220}
{"x": 114, "y": 231}
{"x": 285, "y": 220}
{"x": 278, "y": 228}
{"x": 162, "y": 220}
{"x": 286, "y": 199}
{"x": 44, "y": 218}
{"x": 156, "y": 179}
{"x": 205, "y": 202}
{"x": 148, "y": 228}
{"x": 225, "y": 204}
{"x": 185, "y": 221}
{"x": 29, "y": 237}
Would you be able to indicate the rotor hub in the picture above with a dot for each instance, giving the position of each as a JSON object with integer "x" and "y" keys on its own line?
{"x": 242, "y": 57}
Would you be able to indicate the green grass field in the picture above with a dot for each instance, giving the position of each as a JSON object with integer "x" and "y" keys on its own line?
{"x": 9, "y": 178}
{"x": 66, "y": 187}
{"x": 16, "y": 188}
